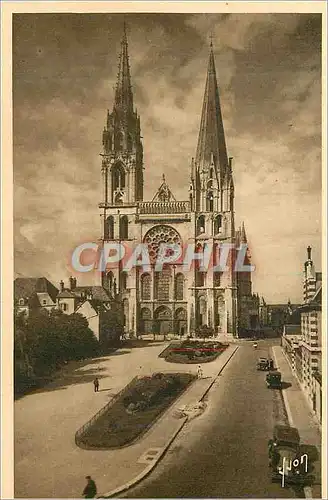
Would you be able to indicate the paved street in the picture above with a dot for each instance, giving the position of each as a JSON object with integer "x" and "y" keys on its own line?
{"x": 223, "y": 453}
{"x": 48, "y": 464}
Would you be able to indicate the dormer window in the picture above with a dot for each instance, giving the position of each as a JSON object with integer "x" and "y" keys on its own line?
{"x": 21, "y": 302}
{"x": 44, "y": 302}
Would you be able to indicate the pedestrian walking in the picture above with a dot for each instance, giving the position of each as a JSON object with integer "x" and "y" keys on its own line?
{"x": 96, "y": 384}
{"x": 199, "y": 372}
{"x": 90, "y": 491}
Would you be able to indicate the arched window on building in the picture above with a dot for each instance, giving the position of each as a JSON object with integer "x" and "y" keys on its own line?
{"x": 126, "y": 312}
{"x": 124, "y": 227}
{"x": 123, "y": 280}
{"x": 209, "y": 200}
{"x": 200, "y": 277}
{"x": 200, "y": 226}
{"x": 218, "y": 224}
{"x": 217, "y": 279}
{"x": 145, "y": 282}
{"x": 118, "y": 145}
{"x": 110, "y": 281}
{"x": 109, "y": 228}
{"x": 162, "y": 285}
{"x": 179, "y": 286}
{"x": 118, "y": 176}
{"x": 129, "y": 142}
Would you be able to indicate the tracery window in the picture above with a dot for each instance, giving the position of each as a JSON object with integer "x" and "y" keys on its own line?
{"x": 162, "y": 285}
{"x": 217, "y": 224}
{"x": 109, "y": 228}
{"x": 160, "y": 234}
{"x": 217, "y": 276}
{"x": 124, "y": 280}
{"x": 200, "y": 225}
{"x": 124, "y": 228}
{"x": 179, "y": 285}
{"x": 145, "y": 287}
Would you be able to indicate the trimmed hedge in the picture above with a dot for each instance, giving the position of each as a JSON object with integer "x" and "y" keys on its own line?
{"x": 136, "y": 409}
{"x": 193, "y": 351}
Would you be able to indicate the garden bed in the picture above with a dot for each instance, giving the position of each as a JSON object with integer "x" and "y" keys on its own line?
{"x": 193, "y": 351}
{"x": 134, "y": 411}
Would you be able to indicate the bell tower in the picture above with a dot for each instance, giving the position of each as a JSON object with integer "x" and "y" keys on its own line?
{"x": 122, "y": 165}
{"x": 211, "y": 196}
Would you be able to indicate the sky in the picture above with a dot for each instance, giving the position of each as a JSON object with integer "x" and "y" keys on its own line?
{"x": 269, "y": 74}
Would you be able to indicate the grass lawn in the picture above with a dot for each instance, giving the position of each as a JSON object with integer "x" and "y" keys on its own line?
{"x": 134, "y": 411}
{"x": 193, "y": 351}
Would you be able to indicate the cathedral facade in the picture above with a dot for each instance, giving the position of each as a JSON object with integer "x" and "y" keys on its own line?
{"x": 173, "y": 299}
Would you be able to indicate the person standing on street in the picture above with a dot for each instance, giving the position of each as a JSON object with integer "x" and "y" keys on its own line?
{"x": 96, "y": 384}
{"x": 199, "y": 372}
{"x": 90, "y": 491}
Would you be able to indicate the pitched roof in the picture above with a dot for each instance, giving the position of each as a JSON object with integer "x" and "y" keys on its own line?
{"x": 27, "y": 287}
{"x": 66, "y": 294}
{"x": 92, "y": 305}
{"x": 99, "y": 293}
{"x": 273, "y": 307}
{"x": 164, "y": 193}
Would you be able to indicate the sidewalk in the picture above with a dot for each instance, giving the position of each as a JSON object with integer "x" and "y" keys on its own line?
{"x": 299, "y": 415}
{"x": 48, "y": 464}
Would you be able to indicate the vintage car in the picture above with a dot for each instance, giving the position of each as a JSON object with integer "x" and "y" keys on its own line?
{"x": 273, "y": 379}
{"x": 262, "y": 364}
{"x": 265, "y": 364}
{"x": 288, "y": 464}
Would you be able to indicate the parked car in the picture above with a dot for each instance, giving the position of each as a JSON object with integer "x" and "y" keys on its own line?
{"x": 262, "y": 364}
{"x": 273, "y": 380}
{"x": 288, "y": 464}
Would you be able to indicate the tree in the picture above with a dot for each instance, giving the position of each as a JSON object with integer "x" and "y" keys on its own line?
{"x": 43, "y": 342}
{"x": 111, "y": 328}
{"x": 205, "y": 331}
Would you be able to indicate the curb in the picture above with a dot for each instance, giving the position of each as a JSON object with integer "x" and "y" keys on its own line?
{"x": 148, "y": 469}
{"x": 218, "y": 374}
{"x": 307, "y": 489}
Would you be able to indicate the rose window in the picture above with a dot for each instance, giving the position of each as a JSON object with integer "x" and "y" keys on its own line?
{"x": 158, "y": 235}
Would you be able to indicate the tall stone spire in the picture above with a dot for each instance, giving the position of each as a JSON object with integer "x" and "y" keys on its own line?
{"x": 211, "y": 140}
{"x": 123, "y": 91}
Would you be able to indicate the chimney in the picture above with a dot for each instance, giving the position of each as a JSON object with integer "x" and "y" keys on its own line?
{"x": 61, "y": 286}
{"x": 72, "y": 283}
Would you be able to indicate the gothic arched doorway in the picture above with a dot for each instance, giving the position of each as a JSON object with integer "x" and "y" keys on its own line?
{"x": 163, "y": 320}
{"x": 146, "y": 323}
{"x": 180, "y": 321}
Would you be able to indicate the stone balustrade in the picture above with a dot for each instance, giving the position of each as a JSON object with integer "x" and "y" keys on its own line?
{"x": 163, "y": 207}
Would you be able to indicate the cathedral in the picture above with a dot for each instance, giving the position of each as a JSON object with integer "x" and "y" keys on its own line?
{"x": 173, "y": 300}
